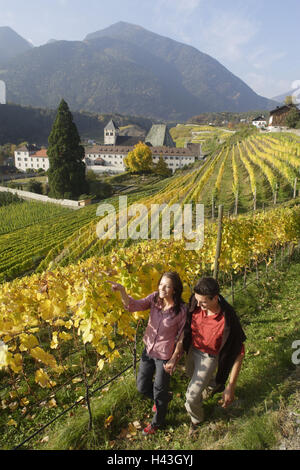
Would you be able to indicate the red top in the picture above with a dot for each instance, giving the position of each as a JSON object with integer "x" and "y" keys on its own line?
{"x": 207, "y": 331}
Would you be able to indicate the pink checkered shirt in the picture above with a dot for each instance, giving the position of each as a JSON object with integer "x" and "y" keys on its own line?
{"x": 164, "y": 326}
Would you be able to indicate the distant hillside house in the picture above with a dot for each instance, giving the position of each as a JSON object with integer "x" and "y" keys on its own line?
{"x": 278, "y": 115}
{"x": 30, "y": 157}
{"x": 259, "y": 122}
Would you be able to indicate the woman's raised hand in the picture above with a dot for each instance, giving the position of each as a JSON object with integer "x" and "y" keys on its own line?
{"x": 119, "y": 287}
{"x": 116, "y": 286}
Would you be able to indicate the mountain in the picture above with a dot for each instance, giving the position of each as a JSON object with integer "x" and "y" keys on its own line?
{"x": 11, "y": 44}
{"x": 129, "y": 70}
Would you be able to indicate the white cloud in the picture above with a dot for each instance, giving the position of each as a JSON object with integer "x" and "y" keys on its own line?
{"x": 266, "y": 84}
{"x": 185, "y": 7}
{"x": 179, "y": 19}
{"x": 263, "y": 57}
{"x": 226, "y": 34}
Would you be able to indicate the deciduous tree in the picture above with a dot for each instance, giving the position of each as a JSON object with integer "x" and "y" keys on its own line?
{"x": 140, "y": 158}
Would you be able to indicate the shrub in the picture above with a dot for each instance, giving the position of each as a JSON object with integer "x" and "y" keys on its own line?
{"x": 7, "y": 198}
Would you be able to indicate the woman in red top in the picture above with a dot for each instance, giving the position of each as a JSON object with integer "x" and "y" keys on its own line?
{"x": 165, "y": 325}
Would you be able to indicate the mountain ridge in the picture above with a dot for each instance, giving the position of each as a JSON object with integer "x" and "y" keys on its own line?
{"x": 17, "y": 44}
{"x": 127, "y": 69}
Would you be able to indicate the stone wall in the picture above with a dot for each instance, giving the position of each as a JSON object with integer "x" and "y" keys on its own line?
{"x": 39, "y": 197}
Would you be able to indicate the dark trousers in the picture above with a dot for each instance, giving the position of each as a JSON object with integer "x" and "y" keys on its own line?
{"x": 157, "y": 391}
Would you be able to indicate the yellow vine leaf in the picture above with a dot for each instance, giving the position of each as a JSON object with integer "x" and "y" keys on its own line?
{"x": 12, "y": 422}
{"x": 42, "y": 378}
{"x": 41, "y": 355}
{"x": 100, "y": 364}
{"x": 54, "y": 342}
{"x": 24, "y": 401}
{"x": 65, "y": 336}
{"x": 15, "y": 362}
{"x": 108, "y": 421}
{"x": 28, "y": 342}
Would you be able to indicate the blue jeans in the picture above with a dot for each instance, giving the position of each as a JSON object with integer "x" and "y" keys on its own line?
{"x": 157, "y": 391}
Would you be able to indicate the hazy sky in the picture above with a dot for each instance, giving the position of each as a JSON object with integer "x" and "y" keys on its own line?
{"x": 256, "y": 40}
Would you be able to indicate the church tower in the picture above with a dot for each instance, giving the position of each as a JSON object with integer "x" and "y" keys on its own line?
{"x": 111, "y": 132}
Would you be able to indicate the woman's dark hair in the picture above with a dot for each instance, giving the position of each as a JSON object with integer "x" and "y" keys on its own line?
{"x": 207, "y": 286}
{"x": 178, "y": 288}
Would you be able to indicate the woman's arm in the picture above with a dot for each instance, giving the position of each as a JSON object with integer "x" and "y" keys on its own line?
{"x": 129, "y": 303}
{"x": 171, "y": 364}
{"x": 118, "y": 287}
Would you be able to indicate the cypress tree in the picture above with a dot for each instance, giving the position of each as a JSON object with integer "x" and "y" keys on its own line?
{"x": 162, "y": 168}
{"x": 66, "y": 174}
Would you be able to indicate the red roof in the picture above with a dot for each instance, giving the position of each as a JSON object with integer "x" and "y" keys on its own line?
{"x": 40, "y": 153}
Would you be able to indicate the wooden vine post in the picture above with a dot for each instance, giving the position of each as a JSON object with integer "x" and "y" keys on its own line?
{"x": 275, "y": 194}
{"x": 87, "y": 388}
{"x": 219, "y": 242}
{"x": 254, "y": 200}
{"x": 295, "y": 188}
{"x": 236, "y": 202}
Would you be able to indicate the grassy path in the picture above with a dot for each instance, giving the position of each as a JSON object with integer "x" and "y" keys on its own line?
{"x": 269, "y": 312}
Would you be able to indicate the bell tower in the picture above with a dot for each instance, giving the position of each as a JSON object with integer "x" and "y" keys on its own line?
{"x": 111, "y": 132}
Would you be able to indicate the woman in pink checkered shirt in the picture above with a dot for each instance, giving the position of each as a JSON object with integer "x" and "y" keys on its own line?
{"x": 166, "y": 322}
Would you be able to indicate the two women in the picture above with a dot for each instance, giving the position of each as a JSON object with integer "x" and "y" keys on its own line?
{"x": 208, "y": 329}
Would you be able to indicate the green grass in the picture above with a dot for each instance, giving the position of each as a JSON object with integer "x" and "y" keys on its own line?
{"x": 269, "y": 314}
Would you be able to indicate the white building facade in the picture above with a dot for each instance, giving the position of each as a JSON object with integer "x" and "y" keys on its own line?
{"x": 109, "y": 158}
{"x": 29, "y": 158}
{"x": 259, "y": 122}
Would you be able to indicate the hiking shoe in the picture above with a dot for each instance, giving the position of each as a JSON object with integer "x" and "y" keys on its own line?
{"x": 150, "y": 429}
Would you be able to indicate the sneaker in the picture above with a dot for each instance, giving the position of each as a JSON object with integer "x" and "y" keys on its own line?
{"x": 150, "y": 429}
